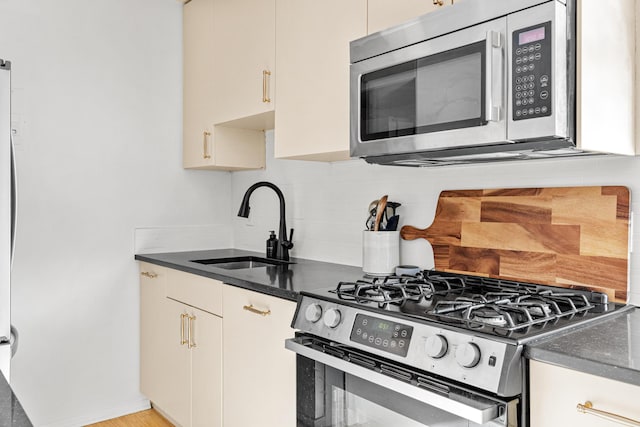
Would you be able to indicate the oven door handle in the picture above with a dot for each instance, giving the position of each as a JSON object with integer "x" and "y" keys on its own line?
{"x": 477, "y": 410}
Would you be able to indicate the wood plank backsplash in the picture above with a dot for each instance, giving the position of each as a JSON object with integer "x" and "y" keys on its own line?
{"x": 575, "y": 237}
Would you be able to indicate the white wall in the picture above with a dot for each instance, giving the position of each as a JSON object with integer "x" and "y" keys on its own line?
{"x": 327, "y": 202}
{"x": 97, "y": 104}
{"x": 98, "y": 108}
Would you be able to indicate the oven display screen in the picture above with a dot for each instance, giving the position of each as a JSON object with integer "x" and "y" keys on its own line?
{"x": 387, "y": 336}
{"x": 531, "y": 36}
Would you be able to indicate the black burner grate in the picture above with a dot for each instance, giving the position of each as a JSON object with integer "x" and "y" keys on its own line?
{"x": 471, "y": 301}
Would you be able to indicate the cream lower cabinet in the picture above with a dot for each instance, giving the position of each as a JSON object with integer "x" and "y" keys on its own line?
{"x": 181, "y": 345}
{"x": 153, "y": 334}
{"x": 555, "y": 393}
{"x": 259, "y": 373}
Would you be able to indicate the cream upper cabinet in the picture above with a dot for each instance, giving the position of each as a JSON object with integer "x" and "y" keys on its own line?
{"x": 197, "y": 83}
{"x": 555, "y": 393}
{"x": 259, "y": 373}
{"x": 244, "y": 57}
{"x": 387, "y": 13}
{"x": 606, "y": 70}
{"x": 312, "y": 54}
{"x": 207, "y": 142}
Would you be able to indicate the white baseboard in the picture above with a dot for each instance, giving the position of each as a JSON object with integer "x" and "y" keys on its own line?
{"x": 125, "y": 408}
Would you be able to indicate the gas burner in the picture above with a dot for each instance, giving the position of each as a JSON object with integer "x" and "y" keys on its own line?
{"x": 489, "y": 316}
{"x": 380, "y": 280}
{"x": 380, "y": 292}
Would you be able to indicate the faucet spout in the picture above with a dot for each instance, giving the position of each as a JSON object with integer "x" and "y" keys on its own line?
{"x": 286, "y": 243}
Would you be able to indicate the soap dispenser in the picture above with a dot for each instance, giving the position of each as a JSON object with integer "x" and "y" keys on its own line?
{"x": 272, "y": 245}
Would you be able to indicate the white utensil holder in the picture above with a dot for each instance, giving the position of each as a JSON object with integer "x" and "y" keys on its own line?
{"x": 380, "y": 252}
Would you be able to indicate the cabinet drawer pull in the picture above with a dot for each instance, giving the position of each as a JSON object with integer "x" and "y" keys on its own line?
{"x": 587, "y": 408}
{"x": 205, "y": 152}
{"x": 150, "y": 275}
{"x": 190, "y": 334}
{"x": 182, "y": 340}
{"x": 265, "y": 86}
{"x": 252, "y": 309}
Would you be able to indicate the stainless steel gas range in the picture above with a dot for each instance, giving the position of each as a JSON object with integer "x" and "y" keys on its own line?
{"x": 432, "y": 349}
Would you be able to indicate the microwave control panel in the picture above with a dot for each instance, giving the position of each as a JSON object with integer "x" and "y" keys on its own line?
{"x": 531, "y": 71}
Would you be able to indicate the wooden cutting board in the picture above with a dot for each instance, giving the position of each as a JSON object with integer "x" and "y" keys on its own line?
{"x": 575, "y": 237}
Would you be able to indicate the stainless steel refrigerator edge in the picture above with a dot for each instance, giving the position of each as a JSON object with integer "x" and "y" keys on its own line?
{"x": 7, "y": 218}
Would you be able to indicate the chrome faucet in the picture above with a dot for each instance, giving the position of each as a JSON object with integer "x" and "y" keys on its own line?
{"x": 284, "y": 243}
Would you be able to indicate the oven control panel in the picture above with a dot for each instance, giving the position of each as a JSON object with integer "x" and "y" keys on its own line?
{"x": 531, "y": 71}
{"x": 391, "y": 337}
{"x": 446, "y": 350}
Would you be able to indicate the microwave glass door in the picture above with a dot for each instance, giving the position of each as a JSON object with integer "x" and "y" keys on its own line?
{"x": 445, "y": 92}
{"x": 431, "y": 94}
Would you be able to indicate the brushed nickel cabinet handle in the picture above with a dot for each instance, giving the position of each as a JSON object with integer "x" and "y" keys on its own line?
{"x": 191, "y": 343}
{"x": 438, "y": 2}
{"x": 265, "y": 86}
{"x": 148, "y": 274}
{"x": 254, "y": 310}
{"x": 205, "y": 152}
{"x": 588, "y": 408}
{"x": 182, "y": 340}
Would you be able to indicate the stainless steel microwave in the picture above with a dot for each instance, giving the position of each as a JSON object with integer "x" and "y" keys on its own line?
{"x": 477, "y": 81}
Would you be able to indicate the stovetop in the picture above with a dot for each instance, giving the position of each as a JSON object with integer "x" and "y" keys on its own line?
{"x": 507, "y": 310}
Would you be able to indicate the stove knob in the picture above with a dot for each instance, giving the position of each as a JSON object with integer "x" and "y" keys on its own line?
{"x": 332, "y": 317}
{"x": 436, "y": 346}
{"x": 468, "y": 355}
{"x": 313, "y": 313}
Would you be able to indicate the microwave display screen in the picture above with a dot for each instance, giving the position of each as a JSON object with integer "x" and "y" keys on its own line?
{"x": 531, "y": 36}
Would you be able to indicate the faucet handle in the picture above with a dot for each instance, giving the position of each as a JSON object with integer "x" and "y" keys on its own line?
{"x": 288, "y": 243}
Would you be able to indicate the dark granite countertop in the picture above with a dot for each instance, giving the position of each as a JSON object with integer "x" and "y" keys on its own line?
{"x": 609, "y": 349}
{"x": 280, "y": 281}
{"x": 11, "y": 412}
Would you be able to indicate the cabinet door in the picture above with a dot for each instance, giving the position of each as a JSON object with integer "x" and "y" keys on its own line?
{"x": 387, "y": 13}
{"x": 244, "y": 35}
{"x": 257, "y": 367}
{"x": 312, "y": 53}
{"x": 206, "y": 369}
{"x": 556, "y": 391}
{"x": 153, "y": 335}
{"x": 176, "y": 360}
{"x": 198, "y": 64}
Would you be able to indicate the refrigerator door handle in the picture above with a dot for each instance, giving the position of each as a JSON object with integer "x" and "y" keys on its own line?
{"x": 14, "y": 198}
{"x": 14, "y": 341}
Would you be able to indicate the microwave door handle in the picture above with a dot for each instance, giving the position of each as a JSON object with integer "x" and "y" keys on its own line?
{"x": 494, "y": 71}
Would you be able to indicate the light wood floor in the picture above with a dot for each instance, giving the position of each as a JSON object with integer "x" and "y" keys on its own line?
{"x": 148, "y": 418}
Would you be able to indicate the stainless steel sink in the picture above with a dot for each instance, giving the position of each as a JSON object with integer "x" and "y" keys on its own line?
{"x": 238, "y": 263}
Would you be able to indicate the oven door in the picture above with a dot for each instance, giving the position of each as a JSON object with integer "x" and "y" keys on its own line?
{"x": 446, "y": 92}
{"x": 341, "y": 387}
